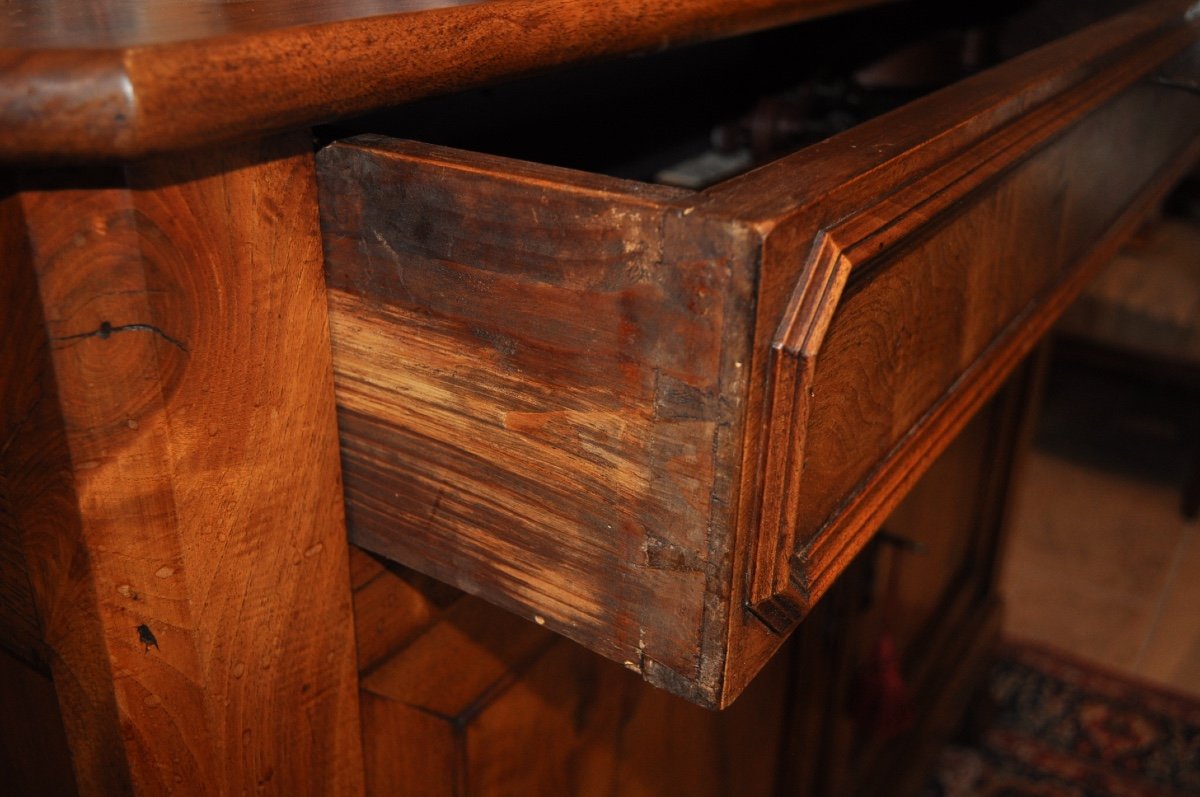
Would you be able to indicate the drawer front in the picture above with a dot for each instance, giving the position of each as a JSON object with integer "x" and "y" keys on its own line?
{"x": 661, "y": 422}
{"x": 915, "y": 305}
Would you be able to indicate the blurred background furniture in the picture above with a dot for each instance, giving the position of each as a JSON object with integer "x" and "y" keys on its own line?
{"x": 1141, "y": 316}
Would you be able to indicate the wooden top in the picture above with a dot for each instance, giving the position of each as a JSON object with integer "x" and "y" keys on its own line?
{"x": 126, "y": 78}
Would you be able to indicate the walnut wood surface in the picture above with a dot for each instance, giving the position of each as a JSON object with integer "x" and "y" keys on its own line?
{"x": 122, "y": 78}
{"x": 945, "y": 616}
{"x": 390, "y": 608}
{"x": 544, "y": 375}
{"x": 42, "y": 517}
{"x": 479, "y": 702}
{"x": 942, "y": 615}
{"x": 171, "y": 463}
{"x": 953, "y": 271}
{"x": 485, "y": 703}
{"x": 169, "y": 492}
{"x": 894, "y": 348}
{"x": 434, "y": 352}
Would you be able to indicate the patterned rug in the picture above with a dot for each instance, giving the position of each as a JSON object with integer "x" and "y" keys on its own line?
{"x": 1063, "y": 728}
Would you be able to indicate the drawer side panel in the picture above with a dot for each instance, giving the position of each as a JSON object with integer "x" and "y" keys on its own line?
{"x": 532, "y": 396}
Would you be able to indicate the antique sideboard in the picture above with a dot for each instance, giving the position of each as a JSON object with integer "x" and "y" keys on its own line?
{"x": 338, "y": 458}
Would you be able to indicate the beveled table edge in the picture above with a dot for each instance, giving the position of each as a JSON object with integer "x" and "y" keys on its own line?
{"x": 127, "y": 101}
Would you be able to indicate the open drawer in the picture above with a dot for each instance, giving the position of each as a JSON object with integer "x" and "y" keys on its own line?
{"x": 661, "y": 421}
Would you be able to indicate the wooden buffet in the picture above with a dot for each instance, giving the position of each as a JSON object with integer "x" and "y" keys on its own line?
{"x": 664, "y": 423}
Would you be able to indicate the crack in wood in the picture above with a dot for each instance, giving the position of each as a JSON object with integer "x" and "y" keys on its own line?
{"x": 107, "y": 330}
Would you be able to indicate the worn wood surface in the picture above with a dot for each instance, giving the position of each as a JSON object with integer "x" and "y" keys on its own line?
{"x": 173, "y": 547}
{"x": 544, "y": 375}
{"x": 568, "y": 468}
{"x": 171, "y": 465}
{"x": 480, "y": 702}
{"x": 120, "y": 78}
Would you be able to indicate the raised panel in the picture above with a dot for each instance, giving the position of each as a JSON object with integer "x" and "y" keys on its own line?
{"x": 945, "y": 281}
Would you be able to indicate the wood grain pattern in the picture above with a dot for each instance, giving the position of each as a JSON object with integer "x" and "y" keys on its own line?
{"x": 544, "y": 375}
{"x": 485, "y": 703}
{"x": 941, "y": 613}
{"x": 945, "y": 616}
{"x": 391, "y": 607}
{"x": 432, "y": 284}
{"x": 1109, "y": 68}
{"x": 951, "y": 271}
{"x": 40, "y": 498}
{"x": 176, "y": 484}
{"x": 122, "y": 79}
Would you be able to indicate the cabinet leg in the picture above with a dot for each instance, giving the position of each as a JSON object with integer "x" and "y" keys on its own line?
{"x": 169, "y": 450}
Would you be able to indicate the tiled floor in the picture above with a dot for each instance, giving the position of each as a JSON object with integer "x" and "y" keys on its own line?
{"x": 1101, "y": 562}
